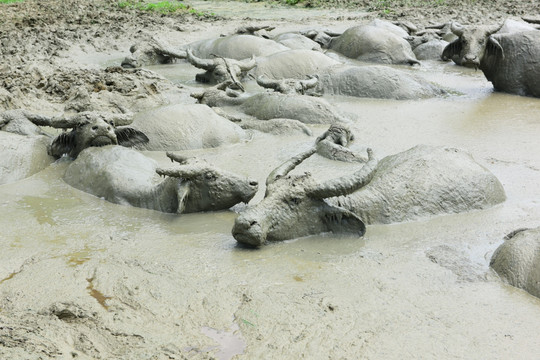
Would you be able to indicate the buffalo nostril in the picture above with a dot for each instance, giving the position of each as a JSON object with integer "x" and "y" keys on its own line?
{"x": 252, "y": 223}
{"x": 253, "y": 183}
{"x": 94, "y": 127}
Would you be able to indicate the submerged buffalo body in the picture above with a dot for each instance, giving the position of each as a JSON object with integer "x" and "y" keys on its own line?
{"x": 514, "y": 66}
{"x": 423, "y": 181}
{"x": 374, "y": 44}
{"x": 125, "y": 176}
{"x": 517, "y": 260}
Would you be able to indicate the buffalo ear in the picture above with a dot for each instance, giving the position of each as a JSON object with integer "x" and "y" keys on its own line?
{"x": 130, "y": 137}
{"x": 182, "y": 192}
{"x": 451, "y": 50}
{"x": 493, "y": 47}
{"x": 63, "y": 144}
{"x": 340, "y": 220}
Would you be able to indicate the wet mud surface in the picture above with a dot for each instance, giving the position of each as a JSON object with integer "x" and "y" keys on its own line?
{"x": 84, "y": 278}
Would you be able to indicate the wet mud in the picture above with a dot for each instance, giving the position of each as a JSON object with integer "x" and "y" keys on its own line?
{"x": 84, "y": 278}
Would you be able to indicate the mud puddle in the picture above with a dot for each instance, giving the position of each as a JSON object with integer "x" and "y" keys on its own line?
{"x": 145, "y": 283}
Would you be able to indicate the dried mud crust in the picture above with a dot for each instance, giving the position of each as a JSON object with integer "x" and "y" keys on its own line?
{"x": 426, "y": 11}
{"x": 111, "y": 89}
{"x": 38, "y": 40}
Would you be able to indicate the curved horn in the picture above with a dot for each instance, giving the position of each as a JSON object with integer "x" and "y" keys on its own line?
{"x": 178, "y": 158}
{"x": 346, "y": 184}
{"x": 173, "y": 53}
{"x": 36, "y": 119}
{"x": 267, "y": 83}
{"x": 457, "y": 28}
{"x": 185, "y": 172}
{"x": 436, "y": 26}
{"x": 412, "y": 61}
{"x": 310, "y": 83}
{"x": 121, "y": 119}
{"x": 165, "y": 49}
{"x": 206, "y": 64}
{"x": 289, "y": 165}
{"x": 494, "y": 28}
{"x": 61, "y": 122}
{"x": 494, "y": 46}
{"x": 247, "y": 65}
{"x": 310, "y": 34}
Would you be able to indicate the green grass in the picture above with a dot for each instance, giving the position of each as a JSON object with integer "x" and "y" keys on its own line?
{"x": 385, "y": 6}
{"x": 164, "y": 7}
{"x": 388, "y": 6}
{"x": 9, "y": 1}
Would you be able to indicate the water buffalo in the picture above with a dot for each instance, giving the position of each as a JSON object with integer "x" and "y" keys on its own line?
{"x": 236, "y": 47}
{"x": 255, "y": 30}
{"x": 297, "y": 41}
{"x": 423, "y": 181}
{"x": 470, "y": 46}
{"x": 374, "y": 44}
{"x": 512, "y": 65}
{"x": 275, "y": 105}
{"x": 323, "y": 37}
{"x": 220, "y": 69}
{"x": 23, "y": 145}
{"x": 288, "y": 86}
{"x": 333, "y": 144}
{"x": 295, "y": 64}
{"x": 295, "y": 206}
{"x": 508, "y": 59}
{"x": 335, "y": 78}
{"x": 152, "y": 52}
{"x": 375, "y": 81}
{"x": 93, "y": 129}
{"x": 183, "y": 127}
{"x": 125, "y": 176}
{"x": 517, "y": 260}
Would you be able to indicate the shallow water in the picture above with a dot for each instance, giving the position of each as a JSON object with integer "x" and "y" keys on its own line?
{"x": 413, "y": 290}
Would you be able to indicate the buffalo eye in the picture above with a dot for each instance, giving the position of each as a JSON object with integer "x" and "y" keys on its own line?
{"x": 209, "y": 176}
{"x": 82, "y": 123}
{"x": 292, "y": 201}
{"x": 220, "y": 71}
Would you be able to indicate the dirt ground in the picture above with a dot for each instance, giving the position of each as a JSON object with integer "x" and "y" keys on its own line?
{"x": 81, "y": 278}
{"x": 50, "y": 48}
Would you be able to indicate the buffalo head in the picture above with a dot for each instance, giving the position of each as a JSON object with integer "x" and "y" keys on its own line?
{"x": 151, "y": 52}
{"x": 220, "y": 70}
{"x": 204, "y": 187}
{"x": 470, "y": 47}
{"x": 288, "y": 86}
{"x": 295, "y": 206}
{"x": 93, "y": 129}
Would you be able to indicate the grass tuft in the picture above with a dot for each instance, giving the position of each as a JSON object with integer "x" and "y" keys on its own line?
{"x": 164, "y": 7}
{"x": 9, "y": 1}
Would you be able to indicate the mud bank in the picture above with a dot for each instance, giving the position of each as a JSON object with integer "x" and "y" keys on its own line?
{"x": 84, "y": 278}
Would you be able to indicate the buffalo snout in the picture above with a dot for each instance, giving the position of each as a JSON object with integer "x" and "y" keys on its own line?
{"x": 248, "y": 230}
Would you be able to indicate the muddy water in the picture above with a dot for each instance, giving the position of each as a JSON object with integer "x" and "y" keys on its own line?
{"x": 144, "y": 283}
